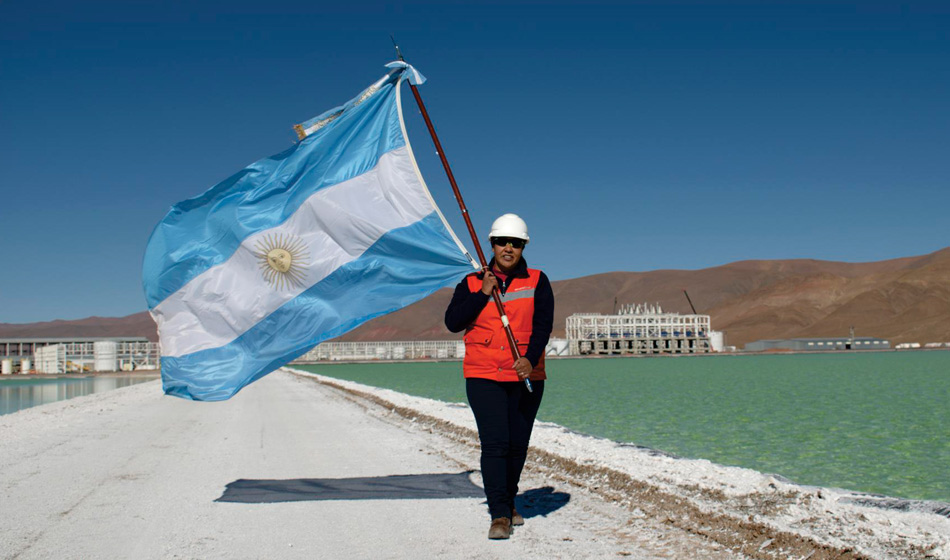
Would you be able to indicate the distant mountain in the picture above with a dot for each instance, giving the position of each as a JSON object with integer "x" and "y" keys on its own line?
{"x": 138, "y": 324}
{"x": 903, "y": 300}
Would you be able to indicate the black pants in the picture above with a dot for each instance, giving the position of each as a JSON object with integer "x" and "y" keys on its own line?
{"x": 504, "y": 413}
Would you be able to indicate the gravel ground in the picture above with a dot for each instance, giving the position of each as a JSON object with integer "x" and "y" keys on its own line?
{"x": 131, "y": 473}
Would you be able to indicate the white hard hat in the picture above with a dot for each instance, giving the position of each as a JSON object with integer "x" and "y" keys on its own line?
{"x": 509, "y": 225}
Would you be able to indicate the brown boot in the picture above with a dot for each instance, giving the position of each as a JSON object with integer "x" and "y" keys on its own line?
{"x": 516, "y": 519}
{"x": 500, "y": 528}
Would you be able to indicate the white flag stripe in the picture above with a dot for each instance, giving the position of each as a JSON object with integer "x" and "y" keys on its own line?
{"x": 226, "y": 300}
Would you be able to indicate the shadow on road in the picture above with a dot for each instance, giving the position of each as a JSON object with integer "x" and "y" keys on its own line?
{"x": 532, "y": 503}
{"x": 395, "y": 487}
{"x": 540, "y": 501}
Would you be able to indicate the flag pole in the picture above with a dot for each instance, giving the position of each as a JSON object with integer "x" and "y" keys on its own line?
{"x": 512, "y": 343}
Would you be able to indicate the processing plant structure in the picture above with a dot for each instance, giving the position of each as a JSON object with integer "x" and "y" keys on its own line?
{"x": 641, "y": 329}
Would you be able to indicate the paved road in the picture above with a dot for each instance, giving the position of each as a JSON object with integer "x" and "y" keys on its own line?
{"x": 134, "y": 474}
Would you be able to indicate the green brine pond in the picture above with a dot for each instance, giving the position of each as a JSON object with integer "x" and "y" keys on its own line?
{"x": 875, "y": 422}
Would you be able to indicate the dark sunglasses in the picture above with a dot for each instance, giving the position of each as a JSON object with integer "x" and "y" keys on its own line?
{"x": 505, "y": 241}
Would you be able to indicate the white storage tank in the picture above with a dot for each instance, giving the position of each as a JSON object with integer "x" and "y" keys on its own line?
{"x": 51, "y": 359}
{"x": 25, "y": 366}
{"x": 105, "y": 352}
{"x": 6, "y": 367}
{"x": 557, "y": 347}
{"x": 716, "y": 341}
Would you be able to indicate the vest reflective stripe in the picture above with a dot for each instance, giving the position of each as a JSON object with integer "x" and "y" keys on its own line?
{"x": 486, "y": 345}
{"x": 529, "y": 293}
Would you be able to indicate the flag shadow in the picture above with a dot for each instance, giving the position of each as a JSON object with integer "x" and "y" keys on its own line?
{"x": 394, "y": 487}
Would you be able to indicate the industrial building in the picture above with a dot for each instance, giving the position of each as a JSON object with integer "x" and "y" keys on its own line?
{"x": 636, "y": 329}
{"x": 384, "y": 350}
{"x": 641, "y": 329}
{"x": 819, "y": 344}
{"x": 402, "y": 350}
{"x": 77, "y": 354}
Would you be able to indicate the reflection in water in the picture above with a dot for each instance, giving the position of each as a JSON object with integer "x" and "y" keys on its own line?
{"x": 17, "y": 394}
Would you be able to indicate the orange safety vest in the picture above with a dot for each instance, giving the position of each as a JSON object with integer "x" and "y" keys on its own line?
{"x": 486, "y": 345}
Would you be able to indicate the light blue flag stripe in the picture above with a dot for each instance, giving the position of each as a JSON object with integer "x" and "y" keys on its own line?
{"x": 402, "y": 267}
{"x": 204, "y": 231}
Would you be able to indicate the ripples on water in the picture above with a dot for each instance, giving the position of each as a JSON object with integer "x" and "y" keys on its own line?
{"x": 875, "y": 422}
{"x": 17, "y": 393}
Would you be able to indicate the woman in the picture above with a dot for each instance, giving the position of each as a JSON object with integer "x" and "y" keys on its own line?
{"x": 504, "y": 408}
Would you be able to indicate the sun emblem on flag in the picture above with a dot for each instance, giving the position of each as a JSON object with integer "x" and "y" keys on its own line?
{"x": 282, "y": 260}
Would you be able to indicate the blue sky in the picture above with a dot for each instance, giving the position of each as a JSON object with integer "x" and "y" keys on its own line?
{"x": 630, "y": 135}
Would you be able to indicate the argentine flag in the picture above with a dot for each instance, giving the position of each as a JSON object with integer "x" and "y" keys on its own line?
{"x": 298, "y": 248}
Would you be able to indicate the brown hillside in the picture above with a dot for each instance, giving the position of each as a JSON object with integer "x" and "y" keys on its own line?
{"x": 903, "y": 300}
{"x": 137, "y": 324}
{"x": 906, "y": 300}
